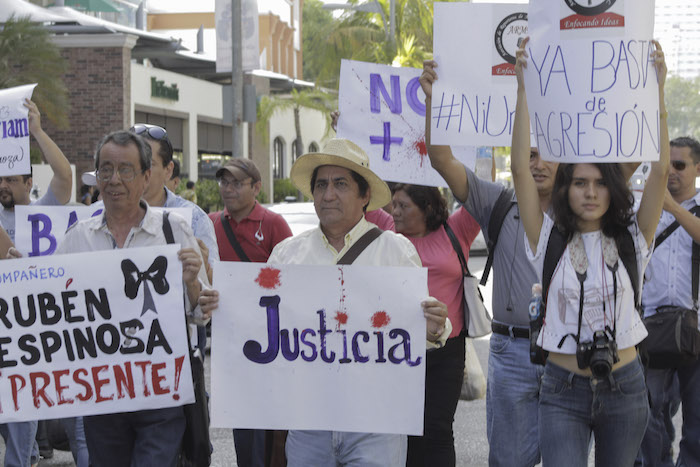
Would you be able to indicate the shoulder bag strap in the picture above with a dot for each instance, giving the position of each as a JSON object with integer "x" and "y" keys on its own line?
{"x": 696, "y": 263}
{"x": 555, "y": 249}
{"x": 458, "y": 249}
{"x": 498, "y": 215}
{"x": 628, "y": 255}
{"x": 360, "y": 245}
{"x": 672, "y": 228}
{"x": 232, "y": 239}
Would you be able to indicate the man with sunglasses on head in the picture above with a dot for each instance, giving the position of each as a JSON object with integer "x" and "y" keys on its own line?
{"x": 21, "y": 448}
{"x": 246, "y": 231}
{"x": 668, "y": 282}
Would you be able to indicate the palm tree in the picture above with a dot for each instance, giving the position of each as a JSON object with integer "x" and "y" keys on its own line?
{"x": 27, "y": 55}
{"x": 309, "y": 98}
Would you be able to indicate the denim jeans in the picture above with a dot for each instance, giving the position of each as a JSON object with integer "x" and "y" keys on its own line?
{"x": 615, "y": 409}
{"x": 138, "y": 439}
{"x": 335, "y": 448}
{"x": 512, "y": 394}
{"x": 20, "y": 443}
{"x": 664, "y": 397}
{"x": 656, "y": 448}
{"x": 75, "y": 431}
{"x": 443, "y": 383}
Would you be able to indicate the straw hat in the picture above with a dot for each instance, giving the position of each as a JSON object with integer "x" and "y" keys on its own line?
{"x": 342, "y": 153}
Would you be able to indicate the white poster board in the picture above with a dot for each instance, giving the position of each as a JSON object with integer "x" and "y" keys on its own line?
{"x": 591, "y": 84}
{"x": 14, "y": 130}
{"x": 249, "y": 35}
{"x": 347, "y": 352}
{"x": 474, "y": 96}
{"x": 83, "y": 335}
{"x": 382, "y": 109}
{"x": 40, "y": 229}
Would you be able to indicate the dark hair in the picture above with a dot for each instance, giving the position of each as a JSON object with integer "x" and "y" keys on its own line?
{"x": 189, "y": 184}
{"x": 429, "y": 200}
{"x": 688, "y": 142}
{"x": 176, "y": 169}
{"x": 124, "y": 138}
{"x": 619, "y": 213}
{"x": 85, "y": 189}
{"x": 362, "y": 184}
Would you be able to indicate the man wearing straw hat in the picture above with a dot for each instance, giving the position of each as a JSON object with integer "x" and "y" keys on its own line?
{"x": 343, "y": 188}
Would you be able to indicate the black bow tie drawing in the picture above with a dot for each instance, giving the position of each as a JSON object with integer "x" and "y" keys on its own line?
{"x": 155, "y": 274}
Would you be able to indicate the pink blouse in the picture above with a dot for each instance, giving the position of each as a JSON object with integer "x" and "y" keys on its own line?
{"x": 444, "y": 272}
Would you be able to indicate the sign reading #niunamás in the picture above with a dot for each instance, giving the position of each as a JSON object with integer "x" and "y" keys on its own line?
{"x": 319, "y": 347}
{"x": 92, "y": 333}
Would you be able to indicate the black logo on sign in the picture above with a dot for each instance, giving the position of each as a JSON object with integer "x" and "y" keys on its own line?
{"x": 503, "y": 26}
{"x": 586, "y": 7}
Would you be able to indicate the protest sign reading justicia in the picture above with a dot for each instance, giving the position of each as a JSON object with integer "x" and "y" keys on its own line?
{"x": 92, "y": 333}
{"x": 382, "y": 109}
{"x": 14, "y": 130}
{"x": 474, "y": 45}
{"x": 591, "y": 84}
{"x": 40, "y": 229}
{"x": 319, "y": 348}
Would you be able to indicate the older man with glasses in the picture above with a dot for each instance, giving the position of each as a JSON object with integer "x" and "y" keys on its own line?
{"x": 246, "y": 231}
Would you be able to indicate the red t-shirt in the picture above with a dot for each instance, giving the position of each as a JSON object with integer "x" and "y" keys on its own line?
{"x": 258, "y": 233}
{"x": 381, "y": 219}
{"x": 444, "y": 271}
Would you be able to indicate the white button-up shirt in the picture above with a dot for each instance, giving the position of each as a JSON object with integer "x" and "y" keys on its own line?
{"x": 668, "y": 278}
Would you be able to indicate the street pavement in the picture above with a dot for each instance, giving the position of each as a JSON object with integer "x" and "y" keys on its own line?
{"x": 471, "y": 444}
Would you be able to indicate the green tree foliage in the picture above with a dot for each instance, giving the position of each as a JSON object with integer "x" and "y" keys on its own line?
{"x": 683, "y": 104}
{"x": 283, "y": 188}
{"x": 27, "y": 56}
{"x": 359, "y": 35}
{"x": 309, "y": 98}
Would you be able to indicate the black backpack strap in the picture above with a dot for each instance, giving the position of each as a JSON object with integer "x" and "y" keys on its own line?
{"x": 628, "y": 255}
{"x": 360, "y": 245}
{"x": 672, "y": 228}
{"x": 232, "y": 239}
{"x": 167, "y": 228}
{"x": 458, "y": 249}
{"x": 498, "y": 214}
{"x": 555, "y": 249}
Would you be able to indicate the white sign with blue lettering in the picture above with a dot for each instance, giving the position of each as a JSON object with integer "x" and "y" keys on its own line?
{"x": 474, "y": 96}
{"x": 40, "y": 229}
{"x": 382, "y": 110}
{"x": 14, "y": 130}
{"x": 591, "y": 84}
{"x": 319, "y": 348}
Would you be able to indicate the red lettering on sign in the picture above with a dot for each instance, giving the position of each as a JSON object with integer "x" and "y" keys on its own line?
{"x": 98, "y": 383}
{"x": 57, "y": 375}
{"x": 178, "y": 373}
{"x": 144, "y": 370}
{"x": 88, "y": 389}
{"x": 156, "y": 378}
{"x": 40, "y": 392}
{"x": 124, "y": 379}
{"x": 15, "y": 390}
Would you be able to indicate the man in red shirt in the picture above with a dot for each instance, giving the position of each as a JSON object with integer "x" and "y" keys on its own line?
{"x": 246, "y": 231}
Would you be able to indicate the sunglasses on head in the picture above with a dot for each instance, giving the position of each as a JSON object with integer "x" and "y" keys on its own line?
{"x": 154, "y": 132}
{"x": 679, "y": 165}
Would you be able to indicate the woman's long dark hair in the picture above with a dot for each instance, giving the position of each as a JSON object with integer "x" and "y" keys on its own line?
{"x": 429, "y": 200}
{"x": 618, "y": 216}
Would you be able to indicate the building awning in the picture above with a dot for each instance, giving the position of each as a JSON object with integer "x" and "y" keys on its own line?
{"x": 93, "y": 5}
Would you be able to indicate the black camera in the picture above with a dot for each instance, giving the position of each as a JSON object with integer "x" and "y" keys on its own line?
{"x": 600, "y": 355}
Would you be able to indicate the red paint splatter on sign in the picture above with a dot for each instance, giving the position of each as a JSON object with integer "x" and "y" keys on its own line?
{"x": 380, "y": 319}
{"x": 69, "y": 282}
{"x": 341, "y": 318}
{"x": 421, "y": 148}
{"x": 269, "y": 278}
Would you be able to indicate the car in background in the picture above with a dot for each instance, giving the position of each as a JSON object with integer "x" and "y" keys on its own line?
{"x": 302, "y": 217}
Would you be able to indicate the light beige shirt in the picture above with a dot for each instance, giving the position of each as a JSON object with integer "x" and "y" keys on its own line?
{"x": 93, "y": 235}
{"x": 389, "y": 249}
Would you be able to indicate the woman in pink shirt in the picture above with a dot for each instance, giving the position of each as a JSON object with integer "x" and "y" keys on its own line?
{"x": 420, "y": 213}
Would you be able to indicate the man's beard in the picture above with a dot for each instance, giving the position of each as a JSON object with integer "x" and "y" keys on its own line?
{"x": 8, "y": 203}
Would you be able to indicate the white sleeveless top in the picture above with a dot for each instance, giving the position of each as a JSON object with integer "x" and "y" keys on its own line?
{"x": 598, "y": 304}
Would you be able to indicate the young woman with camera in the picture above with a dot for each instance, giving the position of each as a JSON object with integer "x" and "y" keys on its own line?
{"x": 593, "y": 380}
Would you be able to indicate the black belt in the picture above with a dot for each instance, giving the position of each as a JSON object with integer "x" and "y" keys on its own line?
{"x": 512, "y": 331}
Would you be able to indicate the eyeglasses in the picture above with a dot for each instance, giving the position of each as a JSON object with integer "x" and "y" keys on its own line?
{"x": 154, "y": 132}
{"x": 237, "y": 184}
{"x": 126, "y": 173}
{"x": 679, "y": 165}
